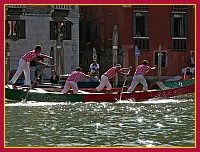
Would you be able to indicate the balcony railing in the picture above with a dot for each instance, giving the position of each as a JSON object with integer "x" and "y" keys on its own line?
{"x": 140, "y": 7}
{"x": 179, "y": 44}
{"x": 180, "y": 7}
{"x": 63, "y": 7}
{"x": 15, "y": 6}
{"x": 142, "y": 43}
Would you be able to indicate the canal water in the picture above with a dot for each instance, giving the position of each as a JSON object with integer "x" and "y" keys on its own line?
{"x": 152, "y": 123}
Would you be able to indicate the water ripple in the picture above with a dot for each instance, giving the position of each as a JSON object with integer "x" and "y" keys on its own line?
{"x": 152, "y": 123}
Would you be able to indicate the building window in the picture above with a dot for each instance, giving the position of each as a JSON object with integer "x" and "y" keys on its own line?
{"x": 81, "y": 58}
{"x": 63, "y": 27}
{"x": 68, "y": 30}
{"x": 163, "y": 61}
{"x": 80, "y": 32}
{"x": 179, "y": 24}
{"x": 15, "y": 29}
{"x": 140, "y": 24}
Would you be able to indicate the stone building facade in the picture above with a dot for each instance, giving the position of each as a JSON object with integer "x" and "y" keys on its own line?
{"x": 55, "y": 27}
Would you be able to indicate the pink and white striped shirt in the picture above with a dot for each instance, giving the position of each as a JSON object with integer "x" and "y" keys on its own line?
{"x": 111, "y": 72}
{"x": 29, "y": 56}
{"x": 76, "y": 76}
{"x": 142, "y": 69}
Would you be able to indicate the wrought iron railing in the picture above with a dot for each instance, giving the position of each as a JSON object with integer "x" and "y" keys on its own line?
{"x": 179, "y": 44}
{"x": 142, "y": 42}
{"x": 63, "y": 7}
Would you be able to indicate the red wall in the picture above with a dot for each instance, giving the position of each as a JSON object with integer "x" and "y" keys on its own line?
{"x": 159, "y": 33}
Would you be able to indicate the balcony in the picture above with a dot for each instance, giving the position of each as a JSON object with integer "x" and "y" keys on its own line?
{"x": 179, "y": 44}
{"x": 180, "y": 7}
{"x": 62, "y": 7}
{"x": 13, "y": 12}
{"x": 141, "y": 7}
{"x": 142, "y": 43}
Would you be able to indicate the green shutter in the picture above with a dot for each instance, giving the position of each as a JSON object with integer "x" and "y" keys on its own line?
{"x": 186, "y": 24}
{"x": 134, "y": 23}
{"x": 52, "y": 31}
{"x": 172, "y": 25}
{"x": 68, "y": 30}
{"x": 146, "y": 29}
{"x": 6, "y": 28}
{"x": 22, "y": 29}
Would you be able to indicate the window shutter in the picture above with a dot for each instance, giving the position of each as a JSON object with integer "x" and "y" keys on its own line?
{"x": 134, "y": 24}
{"x": 172, "y": 25}
{"x": 68, "y": 30}
{"x": 52, "y": 31}
{"x": 22, "y": 29}
{"x": 186, "y": 24}
{"x": 6, "y": 29}
{"x": 146, "y": 24}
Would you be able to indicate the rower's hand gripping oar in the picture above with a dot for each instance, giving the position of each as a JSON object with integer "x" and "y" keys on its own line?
{"x": 35, "y": 81}
{"x": 124, "y": 83}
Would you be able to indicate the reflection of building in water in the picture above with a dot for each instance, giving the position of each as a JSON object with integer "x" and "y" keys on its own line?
{"x": 55, "y": 27}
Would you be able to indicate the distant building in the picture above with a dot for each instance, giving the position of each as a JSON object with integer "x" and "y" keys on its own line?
{"x": 172, "y": 27}
{"x": 55, "y": 27}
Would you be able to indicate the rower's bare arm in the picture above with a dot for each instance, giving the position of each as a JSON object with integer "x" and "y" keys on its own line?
{"x": 39, "y": 62}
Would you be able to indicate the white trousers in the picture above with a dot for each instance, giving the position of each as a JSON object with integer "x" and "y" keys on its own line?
{"x": 104, "y": 82}
{"x": 68, "y": 85}
{"x": 22, "y": 67}
{"x": 138, "y": 79}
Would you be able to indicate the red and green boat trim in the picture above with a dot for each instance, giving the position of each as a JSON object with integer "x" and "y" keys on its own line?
{"x": 40, "y": 95}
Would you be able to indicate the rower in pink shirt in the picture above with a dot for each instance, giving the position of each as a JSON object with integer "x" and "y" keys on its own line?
{"x": 72, "y": 80}
{"x": 109, "y": 75}
{"x": 25, "y": 67}
{"x": 138, "y": 77}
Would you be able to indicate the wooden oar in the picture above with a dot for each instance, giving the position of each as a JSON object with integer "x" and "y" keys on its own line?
{"x": 35, "y": 82}
{"x": 124, "y": 84}
{"x": 32, "y": 86}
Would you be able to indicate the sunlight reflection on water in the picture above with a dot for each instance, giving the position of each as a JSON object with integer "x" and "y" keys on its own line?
{"x": 127, "y": 123}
